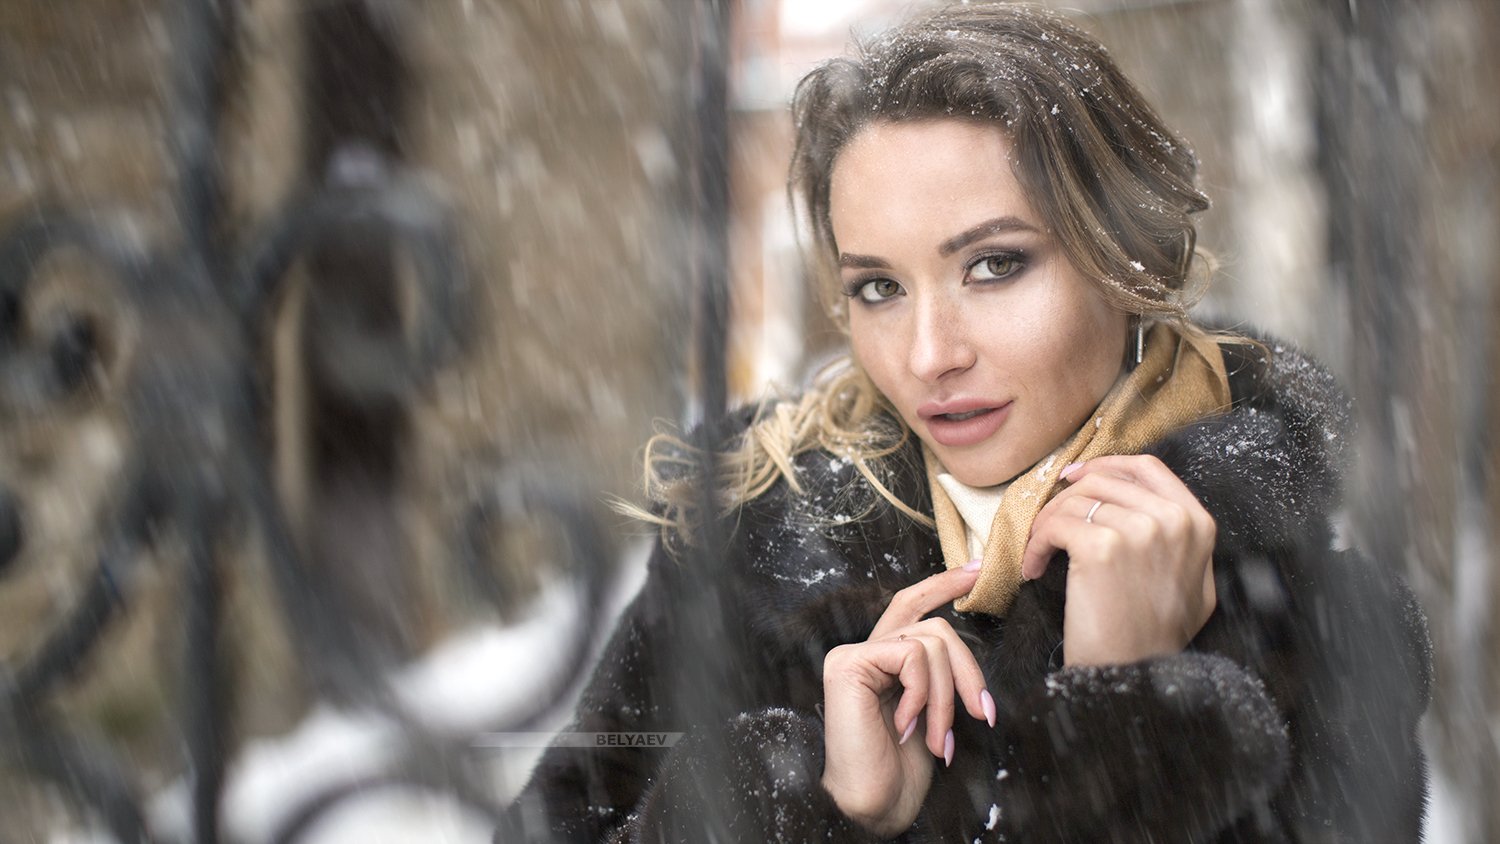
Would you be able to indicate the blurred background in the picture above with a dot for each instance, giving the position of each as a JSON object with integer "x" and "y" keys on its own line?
{"x": 563, "y": 147}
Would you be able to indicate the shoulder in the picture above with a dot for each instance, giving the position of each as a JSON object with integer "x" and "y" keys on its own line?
{"x": 833, "y": 500}
{"x": 1327, "y": 629}
{"x": 1270, "y": 470}
{"x": 813, "y": 560}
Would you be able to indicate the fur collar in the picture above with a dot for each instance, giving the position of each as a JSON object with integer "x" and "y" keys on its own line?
{"x": 818, "y": 576}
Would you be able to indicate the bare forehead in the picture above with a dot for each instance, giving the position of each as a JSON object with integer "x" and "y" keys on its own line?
{"x": 949, "y": 173}
{"x": 918, "y": 139}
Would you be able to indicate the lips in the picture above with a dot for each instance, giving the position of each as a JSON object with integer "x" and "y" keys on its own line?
{"x": 963, "y": 422}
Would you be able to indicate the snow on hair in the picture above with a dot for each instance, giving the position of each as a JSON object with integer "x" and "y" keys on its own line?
{"x": 1112, "y": 182}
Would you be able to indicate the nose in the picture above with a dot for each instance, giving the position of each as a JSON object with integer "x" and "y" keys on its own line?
{"x": 940, "y": 344}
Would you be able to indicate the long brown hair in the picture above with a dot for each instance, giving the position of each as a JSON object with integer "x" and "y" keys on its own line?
{"x": 1112, "y": 182}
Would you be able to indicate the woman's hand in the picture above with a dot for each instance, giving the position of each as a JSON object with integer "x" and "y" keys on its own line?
{"x": 1140, "y": 560}
{"x": 875, "y": 775}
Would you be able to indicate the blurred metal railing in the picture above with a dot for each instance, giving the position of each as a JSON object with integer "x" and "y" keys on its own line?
{"x": 197, "y": 460}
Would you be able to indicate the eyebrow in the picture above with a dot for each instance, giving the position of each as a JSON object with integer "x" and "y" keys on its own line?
{"x": 983, "y": 230}
{"x": 862, "y": 262}
{"x": 947, "y": 247}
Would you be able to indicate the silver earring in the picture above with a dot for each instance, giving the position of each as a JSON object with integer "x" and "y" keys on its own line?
{"x": 1140, "y": 339}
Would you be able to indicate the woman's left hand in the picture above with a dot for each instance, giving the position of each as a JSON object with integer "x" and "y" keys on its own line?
{"x": 1140, "y": 560}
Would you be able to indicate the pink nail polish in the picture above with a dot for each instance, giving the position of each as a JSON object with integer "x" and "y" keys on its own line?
{"x": 988, "y": 703}
{"x": 910, "y": 728}
{"x": 948, "y": 750}
{"x": 1068, "y": 470}
{"x": 973, "y": 565}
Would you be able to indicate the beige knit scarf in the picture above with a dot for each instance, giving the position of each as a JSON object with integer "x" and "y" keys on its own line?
{"x": 1180, "y": 379}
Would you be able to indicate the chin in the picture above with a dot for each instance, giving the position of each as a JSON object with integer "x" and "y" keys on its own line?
{"x": 973, "y": 475}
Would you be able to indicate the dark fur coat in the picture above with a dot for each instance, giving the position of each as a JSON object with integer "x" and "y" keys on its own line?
{"x": 1291, "y": 717}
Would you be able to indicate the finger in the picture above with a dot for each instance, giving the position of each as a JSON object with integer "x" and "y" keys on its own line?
{"x": 1061, "y": 501}
{"x": 1039, "y": 550}
{"x": 1122, "y": 498}
{"x": 1045, "y": 538}
{"x": 920, "y": 663}
{"x": 940, "y": 706}
{"x": 1175, "y": 514}
{"x": 908, "y": 606}
{"x": 968, "y": 678}
{"x": 856, "y": 677}
{"x": 1179, "y": 516}
{"x": 1039, "y": 545}
{"x": 1096, "y": 487}
{"x": 1143, "y": 469}
{"x": 917, "y": 687}
{"x": 1136, "y": 516}
{"x": 1061, "y": 534}
{"x": 1210, "y": 590}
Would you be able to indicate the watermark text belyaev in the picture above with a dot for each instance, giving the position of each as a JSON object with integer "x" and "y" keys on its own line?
{"x": 577, "y": 739}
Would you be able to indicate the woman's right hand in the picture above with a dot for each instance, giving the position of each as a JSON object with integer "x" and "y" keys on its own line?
{"x": 877, "y": 777}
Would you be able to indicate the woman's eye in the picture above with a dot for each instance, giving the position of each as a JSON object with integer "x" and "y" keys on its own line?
{"x": 994, "y": 267}
{"x": 878, "y": 290}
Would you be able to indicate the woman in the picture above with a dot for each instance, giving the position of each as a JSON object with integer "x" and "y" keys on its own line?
{"x": 1044, "y": 561}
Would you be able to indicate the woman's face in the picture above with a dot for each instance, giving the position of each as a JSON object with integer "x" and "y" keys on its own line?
{"x": 963, "y": 308}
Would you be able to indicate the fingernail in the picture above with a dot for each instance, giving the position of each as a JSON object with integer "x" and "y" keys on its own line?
{"x": 988, "y": 703}
{"x": 948, "y": 750}
{"x": 1068, "y": 470}
{"x": 973, "y": 565}
{"x": 910, "y": 728}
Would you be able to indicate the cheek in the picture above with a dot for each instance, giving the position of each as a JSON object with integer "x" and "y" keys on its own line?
{"x": 869, "y": 352}
{"x": 1078, "y": 348}
{"x": 878, "y": 350}
{"x": 1097, "y": 351}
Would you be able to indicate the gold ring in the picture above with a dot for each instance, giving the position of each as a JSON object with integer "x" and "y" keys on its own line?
{"x": 1092, "y": 510}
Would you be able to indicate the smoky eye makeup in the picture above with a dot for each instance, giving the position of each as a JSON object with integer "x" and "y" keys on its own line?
{"x": 850, "y": 286}
{"x": 996, "y": 265}
{"x": 872, "y": 290}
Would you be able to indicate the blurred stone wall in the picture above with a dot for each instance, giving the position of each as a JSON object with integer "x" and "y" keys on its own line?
{"x": 558, "y": 129}
{"x": 1232, "y": 79}
{"x": 555, "y": 130}
{"x": 81, "y": 126}
{"x": 1424, "y": 298}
